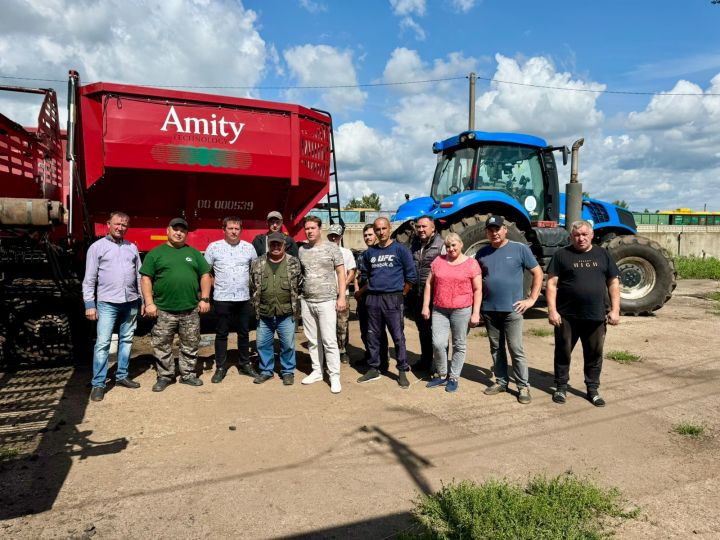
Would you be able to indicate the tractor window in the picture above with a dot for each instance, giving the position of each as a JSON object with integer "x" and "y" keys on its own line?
{"x": 516, "y": 171}
{"x": 453, "y": 173}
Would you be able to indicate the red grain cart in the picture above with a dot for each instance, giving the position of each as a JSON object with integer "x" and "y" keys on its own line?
{"x": 158, "y": 154}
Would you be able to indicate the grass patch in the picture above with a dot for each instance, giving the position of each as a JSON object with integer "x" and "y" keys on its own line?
{"x": 622, "y": 357}
{"x": 564, "y": 507}
{"x": 480, "y": 333}
{"x": 713, "y": 296}
{"x": 542, "y": 332}
{"x": 697, "y": 268}
{"x": 689, "y": 430}
{"x": 6, "y": 454}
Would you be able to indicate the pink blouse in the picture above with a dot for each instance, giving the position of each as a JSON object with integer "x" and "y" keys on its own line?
{"x": 452, "y": 284}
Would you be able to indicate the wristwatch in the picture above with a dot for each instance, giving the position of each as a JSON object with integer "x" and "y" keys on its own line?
{"x": 206, "y": 299}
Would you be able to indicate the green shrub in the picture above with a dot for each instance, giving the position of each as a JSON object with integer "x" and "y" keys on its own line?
{"x": 480, "y": 333}
{"x": 622, "y": 357}
{"x": 697, "y": 268}
{"x": 542, "y": 332}
{"x": 564, "y": 507}
{"x": 6, "y": 454}
{"x": 689, "y": 430}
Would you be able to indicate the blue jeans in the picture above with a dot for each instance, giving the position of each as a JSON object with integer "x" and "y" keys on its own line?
{"x": 444, "y": 322}
{"x": 506, "y": 327}
{"x": 125, "y": 314}
{"x": 285, "y": 328}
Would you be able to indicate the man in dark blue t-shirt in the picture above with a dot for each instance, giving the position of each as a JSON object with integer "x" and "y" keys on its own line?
{"x": 390, "y": 272}
{"x": 583, "y": 297}
{"x": 503, "y": 264}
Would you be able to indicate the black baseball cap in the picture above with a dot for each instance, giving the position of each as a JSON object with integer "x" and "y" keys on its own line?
{"x": 276, "y": 237}
{"x": 174, "y": 222}
{"x": 495, "y": 221}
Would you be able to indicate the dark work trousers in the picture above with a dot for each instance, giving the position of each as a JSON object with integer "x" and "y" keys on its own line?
{"x": 592, "y": 336}
{"x": 362, "y": 313}
{"x": 232, "y": 317}
{"x": 424, "y": 327}
{"x": 386, "y": 310}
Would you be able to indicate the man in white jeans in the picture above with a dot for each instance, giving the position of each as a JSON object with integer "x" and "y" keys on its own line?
{"x": 323, "y": 297}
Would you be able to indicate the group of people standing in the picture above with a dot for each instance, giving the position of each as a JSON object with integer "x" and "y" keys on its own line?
{"x": 447, "y": 293}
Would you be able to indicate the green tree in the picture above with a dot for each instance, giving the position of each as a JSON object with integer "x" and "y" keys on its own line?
{"x": 366, "y": 201}
{"x": 621, "y": 203}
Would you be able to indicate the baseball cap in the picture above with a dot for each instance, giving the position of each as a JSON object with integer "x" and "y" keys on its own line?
{"x": 178, "y": 221}
{"x": 276, "y": 237}
{"x": 495, "y": 221}
{"x": 335, "y": 229}
{"x": 274, "y": 214}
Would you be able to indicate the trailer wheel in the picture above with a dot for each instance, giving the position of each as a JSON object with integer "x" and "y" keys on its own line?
{"x": 647, "y": 274}
{"x": 471, "y": 230}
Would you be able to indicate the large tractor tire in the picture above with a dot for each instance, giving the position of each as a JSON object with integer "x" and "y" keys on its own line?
{"x": 471, "y": 230}
{"x": 405, "y": 233}
{"x": 647, "y": 274}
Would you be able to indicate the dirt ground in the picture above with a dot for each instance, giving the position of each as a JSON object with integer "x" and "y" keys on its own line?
{"x": 268, "y": 461}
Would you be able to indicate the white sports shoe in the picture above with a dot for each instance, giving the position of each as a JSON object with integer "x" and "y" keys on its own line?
{"x": 335, "y": 386}
{"x": 314, "y": 377}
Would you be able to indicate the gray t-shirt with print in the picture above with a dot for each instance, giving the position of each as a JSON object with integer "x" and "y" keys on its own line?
{"x": 319, "y": 263}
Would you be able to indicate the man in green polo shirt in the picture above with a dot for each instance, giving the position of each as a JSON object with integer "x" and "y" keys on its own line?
{"x": 172, "y": 275}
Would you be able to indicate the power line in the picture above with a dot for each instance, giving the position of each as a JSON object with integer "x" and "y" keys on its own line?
{"x": 397, "y": 83}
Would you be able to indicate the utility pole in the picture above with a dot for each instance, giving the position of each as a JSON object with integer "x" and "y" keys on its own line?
{"x": 471, "y": 112}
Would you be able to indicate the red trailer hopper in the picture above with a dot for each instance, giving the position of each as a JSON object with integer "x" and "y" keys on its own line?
{"x": 157, "y": 154}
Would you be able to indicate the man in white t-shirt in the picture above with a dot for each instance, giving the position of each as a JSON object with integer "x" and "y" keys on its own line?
{"x": 334, "y": 234}
{"x": 230, "y": 260}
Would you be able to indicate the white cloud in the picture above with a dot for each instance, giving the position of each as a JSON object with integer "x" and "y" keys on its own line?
{"x": 406, "y": 65}
{"x": 172, "y": 42}
{"x": 463, "y": 6}
{"x": 408, "y": 7}
{"x": 322, "y": 65}
{"x": 547, "y": 112}
{"x": 408, "y": 23}
{"x": 313, "y": 7}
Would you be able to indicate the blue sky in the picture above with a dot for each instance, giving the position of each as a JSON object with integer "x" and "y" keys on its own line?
{"x": 653, "y": 150}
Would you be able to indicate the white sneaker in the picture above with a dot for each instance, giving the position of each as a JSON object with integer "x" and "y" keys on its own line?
{"x": 315, "y": 376}
{"x": 335, "y": 386}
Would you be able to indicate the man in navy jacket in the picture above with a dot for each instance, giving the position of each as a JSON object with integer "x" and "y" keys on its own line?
{"x": 390, "y": 272}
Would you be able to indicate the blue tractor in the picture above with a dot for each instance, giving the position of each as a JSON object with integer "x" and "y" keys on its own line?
{"x": 515, "y": 175}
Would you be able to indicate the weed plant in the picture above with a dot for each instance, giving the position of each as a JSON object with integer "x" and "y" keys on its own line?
{"x": 563, "y": 507}
{"x": 697, "y": 268}
{"x": 542, "y": 332}
{"x": 689, "y": 430}
{"x": 6, "y": 454}
{"x": 622, "y": 357}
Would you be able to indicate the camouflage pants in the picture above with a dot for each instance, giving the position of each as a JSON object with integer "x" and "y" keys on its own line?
{"x": 186, "y": 324}
{"x": 343, "y": 320}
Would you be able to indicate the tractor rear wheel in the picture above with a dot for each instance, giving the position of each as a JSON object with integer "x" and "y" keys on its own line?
{"x": 405, "y": 233}
{"x": 471, "y": 230}
{"x": 647, "y": 274}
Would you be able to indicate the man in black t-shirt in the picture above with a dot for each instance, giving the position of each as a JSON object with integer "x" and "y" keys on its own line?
{"x": 583, "y": 296}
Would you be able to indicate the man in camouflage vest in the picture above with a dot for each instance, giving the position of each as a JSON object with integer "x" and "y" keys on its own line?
{"x": 275, "y": 284}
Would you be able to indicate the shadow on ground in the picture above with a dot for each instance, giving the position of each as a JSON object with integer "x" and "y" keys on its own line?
{"x": 40, "y": 434}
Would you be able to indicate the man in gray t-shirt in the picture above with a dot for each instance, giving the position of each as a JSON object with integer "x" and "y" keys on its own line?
{"x": 503, "y": 264}
{"x": 324, "y": 276}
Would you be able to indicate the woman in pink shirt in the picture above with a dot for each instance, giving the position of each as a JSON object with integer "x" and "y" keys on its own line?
{"x": 456, "y": 288}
